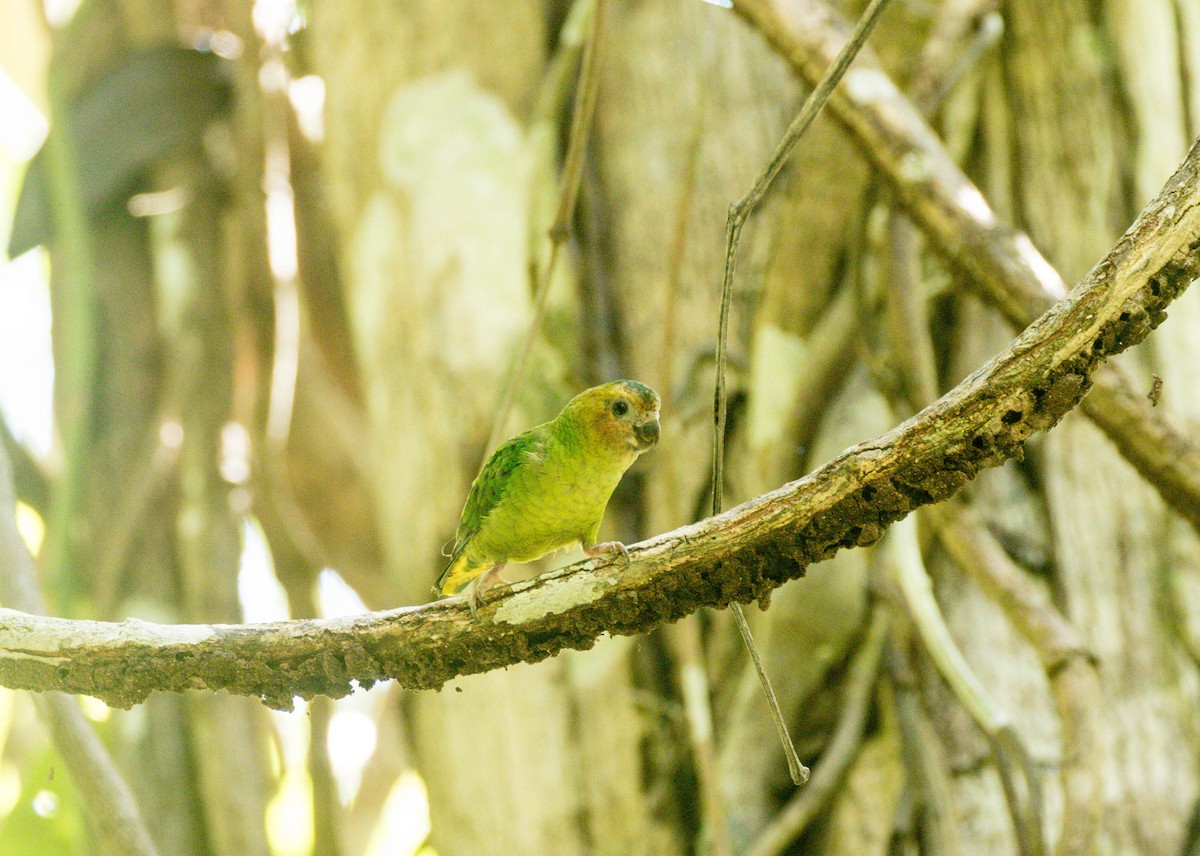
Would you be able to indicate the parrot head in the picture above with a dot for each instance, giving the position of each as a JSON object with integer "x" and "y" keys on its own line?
{"x": 622, "y": 416}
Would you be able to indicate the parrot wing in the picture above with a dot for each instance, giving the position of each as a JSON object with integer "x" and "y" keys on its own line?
{"x": 495, "y": 479}
{"x": 486, "y": 493}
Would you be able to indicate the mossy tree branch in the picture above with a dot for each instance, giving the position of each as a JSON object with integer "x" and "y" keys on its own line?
{"x": 1002, "y": 265}
{"x": 740, "y": 555}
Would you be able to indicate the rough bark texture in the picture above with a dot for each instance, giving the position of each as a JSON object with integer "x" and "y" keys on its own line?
{"x": 1002, "y": 264}
{"x": 1109, "y": 529}
{"x": 740, "y": 555}
{"x": 418, "y": 227}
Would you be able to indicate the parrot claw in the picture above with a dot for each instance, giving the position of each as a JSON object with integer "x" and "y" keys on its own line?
{"x": 608, "y": 547}
{"x": 483, "y": 583}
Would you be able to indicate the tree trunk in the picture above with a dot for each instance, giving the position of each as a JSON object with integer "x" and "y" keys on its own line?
{"x": 435, "y": 221}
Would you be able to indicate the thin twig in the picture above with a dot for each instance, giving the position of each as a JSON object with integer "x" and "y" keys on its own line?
{"x": 560, "y": 229}
{"x": 796, "y": 770}
{"x": 842, "y": 748}
{"x": 965, "y": 30}
{"x": 910, "y": 573}
{"x": 739, "y": 212}
{"x": 581, "y": 124}
{"x": 910, "y": 350}
{"x": 963, "y": 33}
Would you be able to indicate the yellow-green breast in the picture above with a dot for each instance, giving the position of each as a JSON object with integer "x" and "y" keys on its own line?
{"x": 555, "y": 498}
{"x": 548, "y": 488}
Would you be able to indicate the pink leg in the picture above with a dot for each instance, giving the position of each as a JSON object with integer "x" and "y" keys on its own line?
{"x": 608, "y": 547}
{"x": 483, "y": 582}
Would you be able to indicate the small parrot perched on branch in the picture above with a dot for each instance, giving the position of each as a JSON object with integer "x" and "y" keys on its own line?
{"x": 548, "y": 488}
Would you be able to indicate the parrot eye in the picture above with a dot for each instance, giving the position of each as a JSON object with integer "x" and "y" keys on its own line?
{"x": 620, "y": 407}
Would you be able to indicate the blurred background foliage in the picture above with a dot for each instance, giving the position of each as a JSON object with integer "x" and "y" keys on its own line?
{"x": 254, "y": 324}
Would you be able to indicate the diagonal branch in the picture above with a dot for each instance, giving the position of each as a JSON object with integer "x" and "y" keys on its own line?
{"x": 740, "y": 555}
{"x": 1003, "y": 266}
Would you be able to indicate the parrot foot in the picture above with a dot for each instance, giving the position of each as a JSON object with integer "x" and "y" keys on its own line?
{"x": 485, "y": 581}
{"x": 608, "y": 547}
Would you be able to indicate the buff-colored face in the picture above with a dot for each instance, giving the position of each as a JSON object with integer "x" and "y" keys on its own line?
{"x": 623, "y": 414}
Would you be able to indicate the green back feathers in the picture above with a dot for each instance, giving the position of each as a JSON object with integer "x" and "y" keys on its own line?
{"x": 496, "y": 476}
{"x": 487, "y": 491}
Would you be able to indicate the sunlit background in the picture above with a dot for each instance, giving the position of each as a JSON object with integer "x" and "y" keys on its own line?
{"x": 38, "y": 809}
{"x": 280, "y": 353}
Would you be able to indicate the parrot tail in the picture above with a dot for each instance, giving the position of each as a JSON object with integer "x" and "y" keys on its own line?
{"x": 456, "y": 575}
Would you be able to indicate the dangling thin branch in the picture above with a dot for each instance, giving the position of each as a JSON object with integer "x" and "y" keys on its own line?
{"x": 739, "y": 213}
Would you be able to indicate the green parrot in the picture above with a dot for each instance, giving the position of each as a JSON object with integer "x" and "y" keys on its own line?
{"x": 548, "y": 488}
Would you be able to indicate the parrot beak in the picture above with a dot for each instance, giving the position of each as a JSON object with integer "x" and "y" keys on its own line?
{"x": 647, "y": 432}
